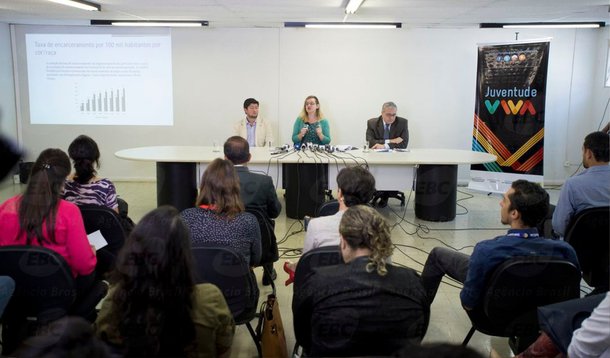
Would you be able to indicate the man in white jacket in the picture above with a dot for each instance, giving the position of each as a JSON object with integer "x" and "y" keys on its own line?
{"x": 253, "y": 128}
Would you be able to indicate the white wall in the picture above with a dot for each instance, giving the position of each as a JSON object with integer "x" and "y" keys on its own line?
{"x": 8, "y": 121}
{"x": 429, "y": 73}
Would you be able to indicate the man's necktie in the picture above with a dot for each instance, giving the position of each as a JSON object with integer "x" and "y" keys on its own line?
{"x": 386, "y": 131}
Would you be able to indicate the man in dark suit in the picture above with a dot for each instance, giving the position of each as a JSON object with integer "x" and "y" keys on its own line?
{"x": 387, "y": 132}
{"x": 257, "y": 191}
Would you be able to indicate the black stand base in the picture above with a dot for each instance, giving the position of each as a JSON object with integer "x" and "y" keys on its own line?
{"x": 305, "y": 186}
{"x": 435, "y": 192}
{"x": 176, "y": 184}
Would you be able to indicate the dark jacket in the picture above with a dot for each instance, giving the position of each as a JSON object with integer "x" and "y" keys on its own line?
{"x": 344, "y": 310}
{"x": 374, "y": 132}
{"x": 258, "y": 191}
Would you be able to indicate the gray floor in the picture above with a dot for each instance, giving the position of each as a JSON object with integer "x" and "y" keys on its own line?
{"x": 477, "y": 219}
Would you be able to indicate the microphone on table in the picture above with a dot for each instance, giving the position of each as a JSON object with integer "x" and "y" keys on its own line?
{"x": 283, "y": 149}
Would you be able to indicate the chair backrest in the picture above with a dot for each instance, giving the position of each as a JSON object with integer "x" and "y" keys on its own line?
{"x": 520, "y": 285}
{"x": 107, "y": 221}
{"x": 227, "y": 270}
{"x": 44, "y": 286}
{"x": 269, "y": 251}
{"x": 589, "y": 235}
{"x": 328, "y": 208}
{"x": 318, "y": 257}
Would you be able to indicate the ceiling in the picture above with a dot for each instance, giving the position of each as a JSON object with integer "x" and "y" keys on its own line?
{"x": 273, "y": 13}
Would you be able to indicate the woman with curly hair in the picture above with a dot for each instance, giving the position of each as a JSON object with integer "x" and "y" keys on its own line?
{"x": 365, "y": 307}
{"x": 154, "y": 308}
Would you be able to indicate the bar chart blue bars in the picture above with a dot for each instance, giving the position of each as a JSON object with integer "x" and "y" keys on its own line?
{"x": 106, "y": 101}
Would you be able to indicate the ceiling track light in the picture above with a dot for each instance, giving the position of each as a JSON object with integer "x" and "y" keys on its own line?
{"x": 544, "y": 25}
{"x": 81, "y": 4}
{"x": 353, "y": 6}
{"x": 345, "y": 25}
{"x": 150, "y": 23}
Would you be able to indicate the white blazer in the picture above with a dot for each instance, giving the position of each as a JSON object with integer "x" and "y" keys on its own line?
{"x": 263, "y": 133}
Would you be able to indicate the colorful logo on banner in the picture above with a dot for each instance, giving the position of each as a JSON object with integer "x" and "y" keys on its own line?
{"x": 509, "y": 110}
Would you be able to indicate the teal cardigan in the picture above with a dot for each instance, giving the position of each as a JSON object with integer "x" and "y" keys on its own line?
{"x": 311, "y": 136}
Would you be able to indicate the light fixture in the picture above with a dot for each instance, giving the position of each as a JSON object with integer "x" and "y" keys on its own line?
{"x": 345, "y": 25}
{"x": 544, "y": 25}
{"x": 151, "y": 23}
{"x": 352, "y": 6}
{"x": 81, "y": 4}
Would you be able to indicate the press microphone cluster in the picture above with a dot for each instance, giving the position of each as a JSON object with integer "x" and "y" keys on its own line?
{"x": 311, "y": 147}
{"x": 322, "y": 148}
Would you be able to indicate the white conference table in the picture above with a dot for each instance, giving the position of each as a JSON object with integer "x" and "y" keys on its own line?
{"x": 436, "y": 180}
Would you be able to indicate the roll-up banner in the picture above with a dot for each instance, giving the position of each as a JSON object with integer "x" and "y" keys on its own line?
{"x": 509, "y": 114}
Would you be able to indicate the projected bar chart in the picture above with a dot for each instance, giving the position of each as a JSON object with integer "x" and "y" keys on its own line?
{"x": 113, "y": 100}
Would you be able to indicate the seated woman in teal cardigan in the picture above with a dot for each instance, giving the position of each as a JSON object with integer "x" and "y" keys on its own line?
{"x": 311, "y": 126}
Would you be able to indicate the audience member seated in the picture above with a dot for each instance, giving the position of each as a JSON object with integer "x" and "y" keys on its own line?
{"x": 522, "y": 207}
{"x": 219, "y": 218}
{"x": 84, "y": 187}
{"x": 154, "y": 308}
{"x": 40, "y": 217}
{"x": 256, "y": 190}
{"x": 364, "y": 307}
{"x": 589, "y": 188}
{"x": 565, "y": 331}
{"x": 66, "y": 337}
{"x": 355, "y": 186}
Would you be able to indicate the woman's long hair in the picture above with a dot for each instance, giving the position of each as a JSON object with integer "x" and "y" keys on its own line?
{"x": 363, "y": 227}
{"x": 303, "y": 115}
{"x": 220, "y": 188}
{"x": 38, "y": 204}
{"x": 86, "y": 157}
{"x": 154, "y": 286}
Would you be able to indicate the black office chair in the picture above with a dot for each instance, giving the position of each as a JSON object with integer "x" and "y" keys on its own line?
{"x": 269, "y": 251}
{"x": 227, "y": 270}
{"x": 318, "y": 257}
{"x": 107, "y": 221}
{"x": 380, "y": 198}
{"x": 589, "y": 234}
{"x": 513, "y": 293}
{"x": 328, "y": 208}
{"x": 44, "y": 292}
